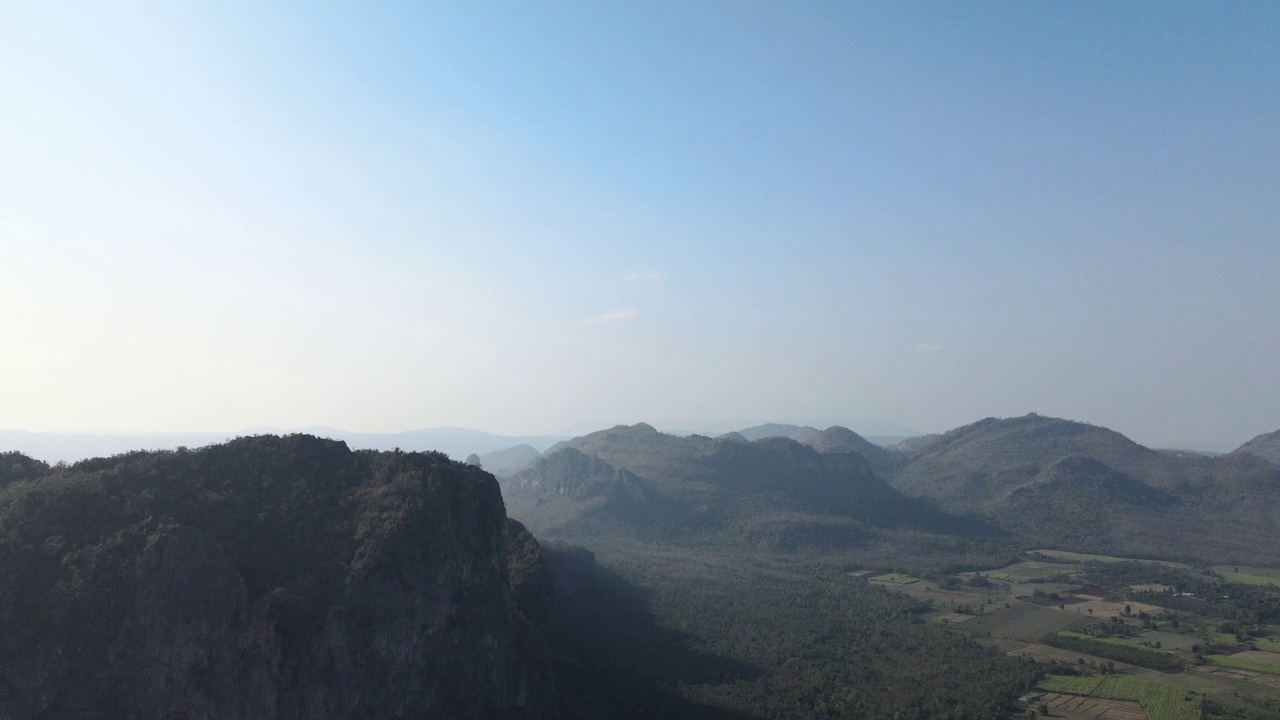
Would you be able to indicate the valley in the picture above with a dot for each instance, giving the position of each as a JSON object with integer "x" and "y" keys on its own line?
{"x": 1176, "y": 639}
{"x": 1018, "y": 537}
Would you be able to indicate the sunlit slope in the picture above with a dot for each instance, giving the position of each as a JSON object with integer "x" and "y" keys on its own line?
{"x": 1266, "y": 446}
{"x": 1084, "y": 487}
{"x": 774, "y": 490}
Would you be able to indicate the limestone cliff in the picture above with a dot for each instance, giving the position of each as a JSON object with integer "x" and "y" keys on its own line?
{"x": 265, "y": 578}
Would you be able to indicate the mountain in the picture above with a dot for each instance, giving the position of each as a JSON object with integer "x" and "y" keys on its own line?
{"x": 268, "y": 577}
{"x": 1266, "y": 446}
{"x": 508, "y": 462}
{"x": 799, "y": 433}
{"x": 974, "y": 466}
{"x": 567, "y": 487}
{"x": 1081, "y": 487}
{"x": 837, "y": 439}
{"x": 774, "y": 492}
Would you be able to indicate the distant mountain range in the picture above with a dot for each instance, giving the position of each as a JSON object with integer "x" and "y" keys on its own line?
{"x": 773, "y": 492}
{"x": 457, "y": 443}
{"x": 1035, "y": 480}
{"x": 1079, "y": 486}
{"x": 1059, "y": 482}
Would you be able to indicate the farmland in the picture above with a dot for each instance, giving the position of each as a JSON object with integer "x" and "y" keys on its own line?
{"x": 896, "y": 578}
{"x": 1158, "y": 702}
{"x": 1246, "y": 578}
{"x": 1269, "y": 645}
{"x": 1083, "y": 707}
{"x": 1089, "y": 557}
{"x": 1115, "y": 631}
{"x": 1257, "y": 661}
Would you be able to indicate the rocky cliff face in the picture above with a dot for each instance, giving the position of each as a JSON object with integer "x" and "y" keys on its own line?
{"x": 265, "y": 578}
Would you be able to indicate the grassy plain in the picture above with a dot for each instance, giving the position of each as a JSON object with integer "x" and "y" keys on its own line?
{"x": 1246, "y": 578}
{"x": 1258, "y": 661}
{"x": 897, "y": 578}
{"x": 1271, "y": 645}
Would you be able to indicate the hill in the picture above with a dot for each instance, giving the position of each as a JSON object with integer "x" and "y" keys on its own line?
{"x": 975, "y": 466}
{"x": 1083, "y": 487}
{"x": 504, "y": 463}
{"x": 837, "y": 439}
{"x": 266, "y": 577}
{"x": 1265, "y": 446}
{"x": 773, "y": 492}
{"x": 799, "y": 433}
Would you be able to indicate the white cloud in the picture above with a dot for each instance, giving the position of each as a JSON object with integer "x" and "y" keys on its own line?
{"x": 644, "y": 277}
{"x": 928, "y": 348}
{"x": 614, "y": 316}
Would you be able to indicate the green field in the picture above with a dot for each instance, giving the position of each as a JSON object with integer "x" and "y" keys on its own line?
{"x": 1160, "y": 702}
{"x": 1087, "y": 557}
{"x": 1268, "y": 644}
{"x": 898, "y": 578}
{"x": 1129, "y": 642}
{"x": 1243, "y": 663}
{"x": 1081, "y": 557}
{"x": 1114, "y": 649}
{"x": 1071, "y": 685}
{"x": 1246, "y": 578}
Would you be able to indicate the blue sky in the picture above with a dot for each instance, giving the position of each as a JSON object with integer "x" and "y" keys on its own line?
{"x": 528, "y": 216}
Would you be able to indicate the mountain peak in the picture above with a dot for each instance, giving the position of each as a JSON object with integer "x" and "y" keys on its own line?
{"x": 1265, "y": 446}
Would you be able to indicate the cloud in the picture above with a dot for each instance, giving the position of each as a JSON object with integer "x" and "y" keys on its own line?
{"x": 615, "y": 316}
{"x": 928, "y": 348}
{"x": 644, "y": 277}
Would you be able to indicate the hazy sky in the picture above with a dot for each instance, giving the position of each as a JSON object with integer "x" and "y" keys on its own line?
{"x": 524, "y": 216}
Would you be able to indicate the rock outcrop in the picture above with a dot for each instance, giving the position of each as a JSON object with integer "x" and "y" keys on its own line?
{"x": 265, "y": 578}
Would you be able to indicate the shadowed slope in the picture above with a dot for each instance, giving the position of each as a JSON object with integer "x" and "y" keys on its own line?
{"x": 269, "y": 577}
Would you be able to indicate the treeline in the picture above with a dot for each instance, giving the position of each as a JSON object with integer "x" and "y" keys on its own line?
{"x": 1192, "y": 590}
{"x": 725, "y": 637}
{"x": 1132, "y": 654}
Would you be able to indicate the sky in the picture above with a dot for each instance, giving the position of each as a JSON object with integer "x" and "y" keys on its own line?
{"x": 524, "y": 217}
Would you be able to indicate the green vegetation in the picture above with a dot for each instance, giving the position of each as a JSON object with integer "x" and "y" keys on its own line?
{"x": 898, "y": 578}
{"x": 1132, "y": 654}
{"x": 700, "y": 636}
{"x": 1071, "y": 684}
{"x": 317, "y": 537}
{"x": 1123, "y": 641}
{"x": 1246, "y": 663}
{"x": 1160, "y": 702}
{"x": 1081, "y": 557}
{"x": 1268, "y": 644}
{"x": 1247, "y": 579}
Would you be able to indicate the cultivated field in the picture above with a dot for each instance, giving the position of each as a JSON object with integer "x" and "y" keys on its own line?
{"x": 1084, "y": 557}
{"x": 1020, "y": 607}
{"x": 1077, "y": 707}
{"x": 897, "y": 578}
{"x": 1253, "y": 660}
{"x": 1154, "y": 701}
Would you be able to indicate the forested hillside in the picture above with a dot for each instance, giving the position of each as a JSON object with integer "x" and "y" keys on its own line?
{"x": 269, "y": 577}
